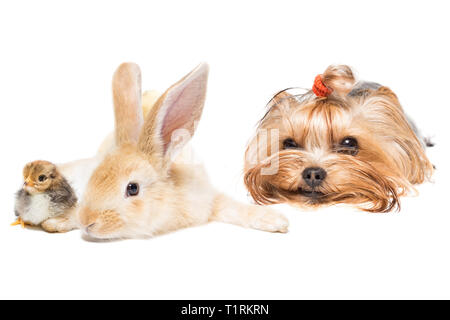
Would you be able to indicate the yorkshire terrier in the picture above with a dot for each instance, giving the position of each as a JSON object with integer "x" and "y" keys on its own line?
{"x": 344, "y": 141}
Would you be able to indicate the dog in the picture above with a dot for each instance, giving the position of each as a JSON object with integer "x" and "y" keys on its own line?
{"x": 344, "y": 141}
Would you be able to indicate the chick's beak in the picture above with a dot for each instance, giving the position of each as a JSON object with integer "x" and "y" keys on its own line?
{"x": 27, "y": 183}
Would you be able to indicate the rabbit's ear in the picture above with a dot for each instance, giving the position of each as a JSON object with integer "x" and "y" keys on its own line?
{"x": 126, "y": 87}
{"x": 172, "y": 121}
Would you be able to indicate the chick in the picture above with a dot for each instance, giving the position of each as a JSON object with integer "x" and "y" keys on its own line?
{"x": 45, "y": 194}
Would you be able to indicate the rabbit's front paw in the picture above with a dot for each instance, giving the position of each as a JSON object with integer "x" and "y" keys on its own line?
{"x": 266, "y": 219}
{"x": 58, "y": 224}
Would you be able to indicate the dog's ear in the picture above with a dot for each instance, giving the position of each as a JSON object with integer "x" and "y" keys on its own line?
{"x": 259, "y": 187}
{"x": 387, "y": 93}
{"x": 172, "y": 121}
{"x": 280, "y": 103}
{"x": 126, "y": 87}
{"x": 282, "y": 98}
{"x": 382, "y": 114}
{"x": 262, "y": 167}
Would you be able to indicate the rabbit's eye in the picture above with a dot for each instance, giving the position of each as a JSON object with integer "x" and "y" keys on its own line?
{"x": 132, "y": 189}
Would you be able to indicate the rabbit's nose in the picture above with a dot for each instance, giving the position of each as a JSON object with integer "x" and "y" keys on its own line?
{"x": 87, "y": 217}
{"x": 89, "y": 227}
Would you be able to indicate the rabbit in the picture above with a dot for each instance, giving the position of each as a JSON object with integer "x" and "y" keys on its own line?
{"x": 143, "y": 185}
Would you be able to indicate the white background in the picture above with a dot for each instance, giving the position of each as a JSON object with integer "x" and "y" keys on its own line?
{"x": 56, "y": 63}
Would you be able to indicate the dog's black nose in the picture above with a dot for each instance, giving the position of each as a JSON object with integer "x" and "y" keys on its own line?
{"x": 314, "y": 176}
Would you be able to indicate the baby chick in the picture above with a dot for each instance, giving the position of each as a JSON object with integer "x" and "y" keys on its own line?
{"x": 45, "y": 194}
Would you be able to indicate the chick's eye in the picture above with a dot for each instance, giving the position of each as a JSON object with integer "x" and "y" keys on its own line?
{"x": 42, "y": 178}
{"x": 290, "y": 144}
{"x": 132, "y": 189}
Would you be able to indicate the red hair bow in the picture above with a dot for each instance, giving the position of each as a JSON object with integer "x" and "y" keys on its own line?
{"x": 319, "y": 88}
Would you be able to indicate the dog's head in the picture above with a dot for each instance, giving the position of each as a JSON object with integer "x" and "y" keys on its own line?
{"x": 351, "y": 144}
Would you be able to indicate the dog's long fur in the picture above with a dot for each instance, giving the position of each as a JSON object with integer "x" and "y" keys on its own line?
{"x": 389, "y": 160}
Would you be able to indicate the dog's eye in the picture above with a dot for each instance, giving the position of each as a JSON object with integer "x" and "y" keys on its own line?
{"x": 290, "y": 144}
{"x": 42, "y": 178}
{"x": 348, "y": 145}
{"x": 349, "y": 142}
{"x": 132, "y": 189}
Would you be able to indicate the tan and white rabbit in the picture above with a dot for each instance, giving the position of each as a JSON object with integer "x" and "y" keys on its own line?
{"x": 144, "y": 186}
